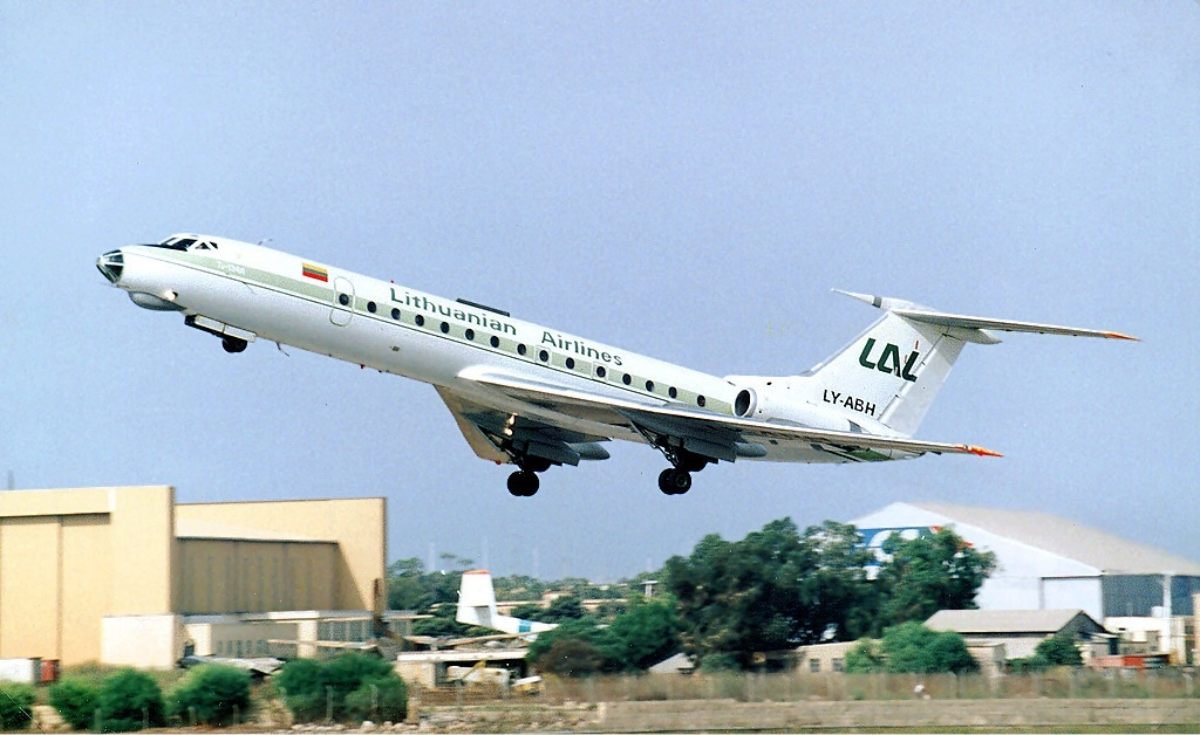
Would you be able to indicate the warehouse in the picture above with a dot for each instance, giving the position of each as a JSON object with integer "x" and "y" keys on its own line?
{"x": 1045, "y": 563}
{"x": 110, "y": 574}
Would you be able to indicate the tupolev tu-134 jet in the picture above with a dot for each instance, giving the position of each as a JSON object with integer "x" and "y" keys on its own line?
{"x": 534, "y": 397}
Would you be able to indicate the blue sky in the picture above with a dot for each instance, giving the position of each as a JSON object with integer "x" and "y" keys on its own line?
{"x": 685, "y": 180}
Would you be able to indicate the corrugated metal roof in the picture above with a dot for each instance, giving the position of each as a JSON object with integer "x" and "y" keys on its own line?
{"x": 1004, "y": 621}
{"x": 1104, "y": 551}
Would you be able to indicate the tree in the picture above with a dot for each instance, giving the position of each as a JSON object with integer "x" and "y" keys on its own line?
{"x": 930, "y": 573}
{"x": 1059, "y": 650}
{"x": 217, "y": 695}
{"x": 773, "y": 590}
{"x": 647, "y": 633}
{"x": 129, "y": 699}
{"x": 577, "y": 648}
{"x": 864, "y": 658}
{"x": 406, "y": 587}
{"x": 912, "y": 648}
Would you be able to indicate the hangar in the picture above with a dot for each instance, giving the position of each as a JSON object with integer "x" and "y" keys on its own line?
{"x": 1048, "y": 563}
{"x": 110, "y": 574}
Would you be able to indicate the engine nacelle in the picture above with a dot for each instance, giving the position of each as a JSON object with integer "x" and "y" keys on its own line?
{"x": 776, "y": 399}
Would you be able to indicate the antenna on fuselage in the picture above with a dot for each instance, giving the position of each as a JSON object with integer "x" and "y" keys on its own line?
{"x": 265, "y": 240}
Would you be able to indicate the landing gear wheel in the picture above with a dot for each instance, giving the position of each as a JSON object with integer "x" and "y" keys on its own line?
{"x": 674, "y": 482}
{"x": 233, "y": 344}
{"x": 523, "y": 484}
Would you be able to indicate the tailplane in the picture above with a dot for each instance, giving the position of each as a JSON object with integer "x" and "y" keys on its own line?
{"x": 892, "y": 372}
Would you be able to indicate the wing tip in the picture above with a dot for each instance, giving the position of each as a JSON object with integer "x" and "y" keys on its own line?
{"x": 1118, "y": 335}
{"x": 979, "y": 451}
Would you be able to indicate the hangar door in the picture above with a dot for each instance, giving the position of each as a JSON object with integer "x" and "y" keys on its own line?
{"x": 1073, "y": 593}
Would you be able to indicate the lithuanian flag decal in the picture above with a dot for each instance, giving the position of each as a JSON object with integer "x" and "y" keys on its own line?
{"x": 316, "y": 273}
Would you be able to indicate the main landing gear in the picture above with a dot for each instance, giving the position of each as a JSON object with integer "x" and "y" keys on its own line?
{"x": 674, "y": 482}
{"x": 524, "y": 483}
{"x": 677, "y": 480}
{"x": 233, "y": 344}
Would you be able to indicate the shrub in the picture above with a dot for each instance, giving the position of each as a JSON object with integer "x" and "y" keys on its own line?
{"x": 129, "y": 699}
{"x": 864, "y": 658}
{"x": 308, "y": 685}
{"x": 1059, "y": 650}
{"x": 76, "y": 701}
{"x": 387, "y": 701}
{"x": 214, "y": 692}
{"x": 912, "y": 648}
{"x": 15, "y": 703}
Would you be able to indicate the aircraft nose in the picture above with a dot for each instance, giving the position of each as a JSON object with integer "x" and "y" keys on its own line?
{"x": 111, "y": 264}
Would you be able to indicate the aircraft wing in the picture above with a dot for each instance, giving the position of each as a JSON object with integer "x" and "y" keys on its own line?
{"x": 715, "y": 436}
{"x": 486, "y": 429}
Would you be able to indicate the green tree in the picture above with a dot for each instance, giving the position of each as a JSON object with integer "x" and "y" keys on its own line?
{"x": 16, "y": 706}
{"x": 647, "y": 633}
{"x": 406, "y": 585}
{"x": 864, "y": 657}
{"x": 1059, "y": 650}
{"x": 129, "y": 699}
{"x": 773, "y": 590}
{"x": 76, "y": 701}
{"x": 577, "y": 648}
{"x": 564, "y": 608}
{"x": 214, "y": 693}
{"x": 346, "y": 679}
{"x": 930, "y": 573}
{"x": 913, "y": 648}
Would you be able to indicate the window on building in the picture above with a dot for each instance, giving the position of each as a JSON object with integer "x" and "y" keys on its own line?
{"x": 814, "y": 665}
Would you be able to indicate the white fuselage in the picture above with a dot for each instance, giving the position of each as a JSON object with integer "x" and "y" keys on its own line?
{"x": 251, "y": 292}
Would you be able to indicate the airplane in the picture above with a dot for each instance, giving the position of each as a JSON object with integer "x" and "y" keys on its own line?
{"x": 534, "y": 397}
{"x": 477, "y": 606}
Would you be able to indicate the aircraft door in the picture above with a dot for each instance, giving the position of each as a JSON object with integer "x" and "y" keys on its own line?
{"x": 343, "y": 305}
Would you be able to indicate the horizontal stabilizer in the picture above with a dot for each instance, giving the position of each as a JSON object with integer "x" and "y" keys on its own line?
{"x": 915, "y": 313}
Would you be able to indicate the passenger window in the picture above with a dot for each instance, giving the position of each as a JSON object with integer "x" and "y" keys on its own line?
{"x": 495, "y": 342}
{"x": 650, "y": 385}
{"x": 445, "y": 327}
{"x": 371, "y": 306}
{"x": 600, "y": 371}
{"x": 470, "y": 334}
{"x": 672, "y": 392}
{"x": 626, "y": 379}
{"x": 343, "y": 299}
{"x": 396, "y": 314}
{"x": 544, "y": 356}
{"x": 570, "y": 363}
{"x": 700, "y": 401}
{"x": 420, "y": 320}
{"x": 520, "y": 349}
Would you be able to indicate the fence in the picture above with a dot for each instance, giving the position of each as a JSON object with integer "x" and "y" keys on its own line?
{"x": 1062, "y": 683}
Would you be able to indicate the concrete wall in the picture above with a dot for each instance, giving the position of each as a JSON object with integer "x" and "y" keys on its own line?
{"x": 142, "y": 641}
{"x": 357, "y": 525}
{"x": 786, "y": 716}
{"x": 70, "y": 557}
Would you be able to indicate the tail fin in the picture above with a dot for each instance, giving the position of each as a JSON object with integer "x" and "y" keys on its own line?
{"x": 477, "y": 606}
{"x": 893, "y": 371}
{"x": 477, "y": 599}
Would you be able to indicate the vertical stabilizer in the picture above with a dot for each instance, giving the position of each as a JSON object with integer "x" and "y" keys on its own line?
{"x": 477, "y": 599}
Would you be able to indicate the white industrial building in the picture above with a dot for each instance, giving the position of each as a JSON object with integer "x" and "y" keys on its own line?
{"x": 1045, "y": 562}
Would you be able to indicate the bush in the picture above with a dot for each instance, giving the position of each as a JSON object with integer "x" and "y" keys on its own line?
{"x": 388, "y": 700}
{"x": 1059, "y": 650}
{"x": 864, "y": 658}
{"x": 15, "y": 703}
{"x": 129, "y": 699}
{"x": 912, "y": 648}
{"x": 76, "y": 701}
{"x": 349, "y": 676}
{"x": 214, "y": 692}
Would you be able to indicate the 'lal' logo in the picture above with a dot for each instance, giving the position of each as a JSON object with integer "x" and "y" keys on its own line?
{"x": 889, "y": 360}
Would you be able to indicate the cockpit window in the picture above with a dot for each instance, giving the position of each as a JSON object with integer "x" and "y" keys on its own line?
{"x": 186, "y": 243}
